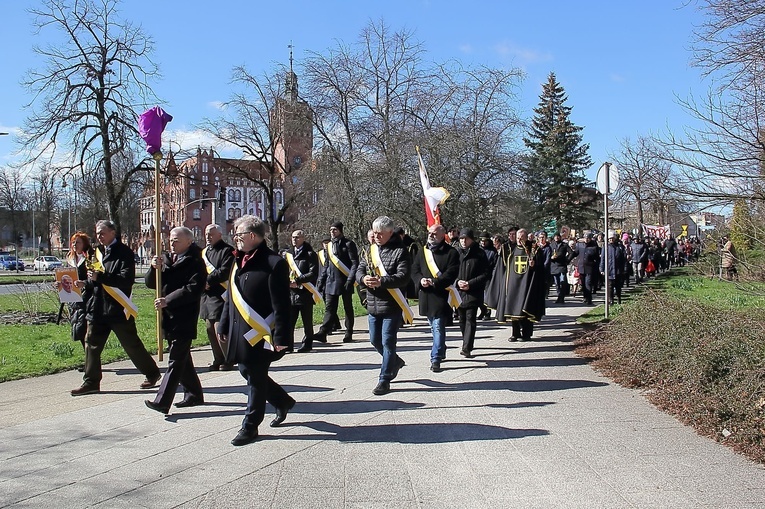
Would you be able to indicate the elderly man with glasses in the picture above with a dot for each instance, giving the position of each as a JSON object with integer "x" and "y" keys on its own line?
{"x": 256, "y": 323}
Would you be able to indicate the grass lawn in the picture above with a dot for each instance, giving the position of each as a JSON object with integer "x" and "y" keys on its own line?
{"x": 39, "y": 349}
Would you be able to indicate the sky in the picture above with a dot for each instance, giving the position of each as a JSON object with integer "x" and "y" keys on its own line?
{"x": 623, "y": 64}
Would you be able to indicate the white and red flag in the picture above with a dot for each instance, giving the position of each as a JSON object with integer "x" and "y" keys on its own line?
{"x": 434, "y": 196}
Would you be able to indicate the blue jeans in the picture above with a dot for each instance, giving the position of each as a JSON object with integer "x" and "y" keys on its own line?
{"x": 383, "y": 333}
{"x": 438, "y": 328}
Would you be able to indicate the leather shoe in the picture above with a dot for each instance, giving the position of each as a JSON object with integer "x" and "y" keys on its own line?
{"x": 348, "y": 339}
{"x": 213, "y": 367}
{"x": 381, "y": 389}
{"x": 435, "y": 367}
{"x": 190, "y": 401}
{"x": 156, "y": 407}
{"x": 466, "y": 354}
{"x": 281, "y": 414}
{"x": 304, "y": 348}
{"x": 320, "y": 336}
{"x": 227, "y": 367}
{"x": 399, "y": 364}
{"x": 245, "y": 436}
{"x": 85, "y": 389}
{"x": 150, "y": 382}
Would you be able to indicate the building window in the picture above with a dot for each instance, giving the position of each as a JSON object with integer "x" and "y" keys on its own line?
{"x": 192, "y": 194}
{"x": 197, "y": 214}
{"x": 204, "y": 167}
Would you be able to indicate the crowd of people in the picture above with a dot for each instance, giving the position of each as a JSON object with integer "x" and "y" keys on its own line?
{"x": 250, "y": 297}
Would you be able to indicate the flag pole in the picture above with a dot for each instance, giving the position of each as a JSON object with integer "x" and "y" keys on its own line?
{"x": 158, "y": 248}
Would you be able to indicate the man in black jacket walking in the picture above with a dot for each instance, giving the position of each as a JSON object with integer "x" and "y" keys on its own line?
{"x": 218, "y": 258}
{"x": 385, "y": 274}
{"x": 110, "y": 279}
{"x": 337, "y": 280}
{"x": 183, "y": 281}
{"x": 304, "y": 271}
{"x": 471, "y": 282}
{"x": 434, "y": 270}
{"x": 256, "y": 323}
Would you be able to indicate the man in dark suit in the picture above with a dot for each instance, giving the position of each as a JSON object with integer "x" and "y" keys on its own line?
{"x": 183, "y": 281}
{"x": 110, "y": 279}
{"x": 218, "y": 258}
{"x": 256, "y": 323}
{"x": 434, "y": 270}
{"x": 337, "y": 280}
{"x": 304, "y": 272}
{"x": 471, "y": 281}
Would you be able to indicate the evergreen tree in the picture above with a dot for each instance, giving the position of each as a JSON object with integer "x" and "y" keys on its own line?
{"x": 741, "y": 226}
{"x": 554, "y": 167}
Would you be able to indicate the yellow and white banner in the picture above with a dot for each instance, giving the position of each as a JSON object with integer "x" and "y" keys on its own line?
{"x": 261, "y": 328}
{"x": 210, "y": 267}
{"x": 308, "y": 286}
{"x": 396, "y": 293}
{"x": 117, "y": 294}
{"x": 454, "y": 295}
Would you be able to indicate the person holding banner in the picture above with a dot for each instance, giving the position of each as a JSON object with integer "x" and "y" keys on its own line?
{"x": 304, "y": 271}
{"x": 218, "y": 257}
{"x": 342, "y": 261}
{"x": 472, "y": 275}
{"x": 256, "y": 323}
{"x": 110, "y": 281}
{"x": 385, "y": 274}
{"x": 434, "y": 271}
{"x": 183, "y": 280}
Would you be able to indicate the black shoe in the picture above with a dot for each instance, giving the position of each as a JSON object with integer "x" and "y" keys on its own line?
{"x": 85, "y": 389}
{"x": 348, "y": 339}
{"x": 190, "y": 401}
{"x": 381, "y": 389}
{"x": 320, "y": 336}
{"x": 214, "y": 367}
{"x": 399, "y": 364}
{"x": 281, "y": 414}
{"x": 245, "y": 436}
{"x": 156, "y": 407}
{"x": 435, "y": 367}
{"x": 304, "y": 348}
{"x": 512, "y": 339}
{"x": 227, "y": 367}
{"x": 81, "y": 369}
{"x": 150, "y": 382}
{"x": 487, "y": 317}
{"x": 466, "y": 353}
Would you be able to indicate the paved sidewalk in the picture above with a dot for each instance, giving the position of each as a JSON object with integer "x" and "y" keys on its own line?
{"x": 520, "y": 425}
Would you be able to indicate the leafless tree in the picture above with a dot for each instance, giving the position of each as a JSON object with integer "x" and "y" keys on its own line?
{"x": 48, "y": 199}
{"x": 13, "y": 196}
{"x": 256, "y": 120}
{"x": 722, "y": 157}
{"x": 87, "y": 96}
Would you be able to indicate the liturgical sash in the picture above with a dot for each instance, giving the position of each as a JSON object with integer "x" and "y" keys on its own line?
{"x": 117, "y": 294}
{"x": 454, "y": 295}
{"x": 261, "y": 328}
{"x": 210, "y": 267}
{"x": 308, "y": 286}
{"x": 396, "y": 293}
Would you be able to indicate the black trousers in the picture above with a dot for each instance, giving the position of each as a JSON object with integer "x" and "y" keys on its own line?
{"x": 219, "y": 356}
{"x": 615, "y": 289}
{"x": 305, "y": 311}
{"x": 126, "y": 333}
{"x": 332, "y": 302}
{"x": 523, "y": 328}
{"x": 180, "y": 371}
{"x": 261, "y": 388}
{"x": 467, "y": 327}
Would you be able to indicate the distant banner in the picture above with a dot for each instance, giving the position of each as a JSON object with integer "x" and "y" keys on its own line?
{"x": 661, "y": 232}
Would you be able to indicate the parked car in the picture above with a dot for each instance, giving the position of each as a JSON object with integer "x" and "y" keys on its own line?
{"x": 9, "y": 262}
{"x": 47, "y": 263}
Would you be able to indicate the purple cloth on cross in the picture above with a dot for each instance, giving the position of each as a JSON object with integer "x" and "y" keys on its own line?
{"x": 151, "y": 123}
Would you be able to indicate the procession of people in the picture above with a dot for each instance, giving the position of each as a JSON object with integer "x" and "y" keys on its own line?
{"x": 250, "y": 297}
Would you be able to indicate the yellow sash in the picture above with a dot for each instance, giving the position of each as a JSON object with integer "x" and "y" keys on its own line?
{"x": 117, "y": 294}
{"x": 337, "y": 262}
{"x": 260, "y": 328}
{"x": 308, "y": 286}
{"x": 396, "y": 293}
{"x": 454, "y": 295}
{"x": 210, "y": 267}
{"x": 322, "y": 258}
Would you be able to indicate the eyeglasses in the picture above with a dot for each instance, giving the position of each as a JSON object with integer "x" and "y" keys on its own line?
{"x": 239, "y": 235}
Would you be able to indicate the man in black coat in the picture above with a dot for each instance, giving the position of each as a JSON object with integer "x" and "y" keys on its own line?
{"x": 341, "y": 263}
{"x": 487, "y": 244}
{"x": 218, "y": 258}
{"x": 471, "y": 282}
{"x": 588, "y": 260}
{"x": 434, "y": 270}
{"x": 559, "y": 260}
{"x": 256, "y": 323}
{"x": 385, "y": 274}
{"x": 110, "y": 279}
{"x": 304, "y": 271}
{"x": 183, "y": 281}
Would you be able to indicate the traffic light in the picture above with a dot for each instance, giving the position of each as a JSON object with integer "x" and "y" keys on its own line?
{"x": 21, "y": 238}
{"x": 222, "y": 198}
